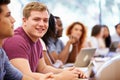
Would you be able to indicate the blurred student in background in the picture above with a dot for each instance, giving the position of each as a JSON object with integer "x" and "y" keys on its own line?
{"x": 52, "y": 43}
{"x": 96, "y": 39}
{"x": 56, "y": 49}
{"x": 116, "y": 35}
{"x": 76, "y": 33}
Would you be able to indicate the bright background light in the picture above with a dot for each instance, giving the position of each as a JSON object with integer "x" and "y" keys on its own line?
{"x": 89, "y": 12}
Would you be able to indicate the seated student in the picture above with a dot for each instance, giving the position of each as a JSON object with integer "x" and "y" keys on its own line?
{"x": 7, "y": 71}
{"x": 56, "y": 49}
{"x": 47, "y": 57}
{"x": 96, "y": 39}
{"x": 26, "y": 54}
{"x": 77, "y": 35}
{"x": 116, "y": 36}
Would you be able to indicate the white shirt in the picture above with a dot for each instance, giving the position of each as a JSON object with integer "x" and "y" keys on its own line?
{"x": 115, "y": 37}
{"x": 43, "y": 45}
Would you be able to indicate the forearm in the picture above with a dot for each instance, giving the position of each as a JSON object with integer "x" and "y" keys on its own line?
{"x": 64, "y": 53}
{"x": 25, "y": 77}
{"x": 46, "y": 68}
{"x": 34, "y": 75}
{"x": 47, "y": 58}
{"x": 51, "y": 69}
{"x": 57, "y": 77}
{"x": 73, "y": 54}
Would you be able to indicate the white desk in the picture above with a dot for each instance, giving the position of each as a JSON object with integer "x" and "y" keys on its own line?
{"x": 97, "y": 63}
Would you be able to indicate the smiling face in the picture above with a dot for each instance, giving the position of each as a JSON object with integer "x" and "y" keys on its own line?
{"x": 36, "y": 24}
{"x": 6, "y": 23}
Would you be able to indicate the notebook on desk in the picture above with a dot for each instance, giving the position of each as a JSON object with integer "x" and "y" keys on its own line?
{"x": 84, "y": 57}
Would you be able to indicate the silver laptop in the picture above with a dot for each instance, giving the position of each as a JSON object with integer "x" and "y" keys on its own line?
{"x": 84, "y": 57}
{"x": 114, "y": 46}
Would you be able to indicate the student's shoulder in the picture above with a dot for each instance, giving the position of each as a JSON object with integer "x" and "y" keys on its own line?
{"x": 64, "y": 39}
{"x": 14, "y": 39}
{"x": 59, "y": 40}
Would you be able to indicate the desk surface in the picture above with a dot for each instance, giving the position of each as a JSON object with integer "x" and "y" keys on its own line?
{"x": 97, "y": 63}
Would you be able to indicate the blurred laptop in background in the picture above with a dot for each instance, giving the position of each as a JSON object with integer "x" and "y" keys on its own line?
{"x": 84, "y": 57}
{"x": 113, "y": 46}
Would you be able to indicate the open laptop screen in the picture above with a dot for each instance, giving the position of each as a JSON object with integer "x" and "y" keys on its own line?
{"x": 84, "y": 57}
{"x": 114, "y": 46}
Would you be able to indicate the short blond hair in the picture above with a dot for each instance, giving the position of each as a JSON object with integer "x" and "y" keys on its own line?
{"x": 37, "y": 6}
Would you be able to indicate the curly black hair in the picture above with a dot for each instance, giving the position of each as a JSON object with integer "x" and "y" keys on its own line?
{"x": 51, "y": 33}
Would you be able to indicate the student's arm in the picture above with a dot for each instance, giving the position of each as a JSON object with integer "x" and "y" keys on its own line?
{"x": 11, "y": 72}
{"x": 74, "y": 51}
{"x": 67, "y": 74}
{"x": 25, "y": 77}
{"x": 63, "y": 56}
{"x": 47, "y": 58}
{"x": 43, "y": 68}
{"x": 72, "y": 55}
{"x": 23, "y": 65}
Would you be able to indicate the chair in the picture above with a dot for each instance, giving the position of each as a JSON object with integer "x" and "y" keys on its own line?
{"x": 110, "y": 70}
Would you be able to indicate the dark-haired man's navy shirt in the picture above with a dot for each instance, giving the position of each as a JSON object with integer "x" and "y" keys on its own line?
{"x": 7, "y": 71}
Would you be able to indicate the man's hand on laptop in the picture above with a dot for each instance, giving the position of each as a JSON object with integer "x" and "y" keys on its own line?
{"x": 80, "y": 73}
{"x": 77, "y": 71}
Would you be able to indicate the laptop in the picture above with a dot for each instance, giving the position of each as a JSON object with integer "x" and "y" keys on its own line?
{"x": 113, "y": 46}
{"x": 83, "y": 59}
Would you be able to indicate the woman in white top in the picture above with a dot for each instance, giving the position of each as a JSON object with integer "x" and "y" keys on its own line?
{"x": 96, "y": 40}
{"x": 77, "y": 34}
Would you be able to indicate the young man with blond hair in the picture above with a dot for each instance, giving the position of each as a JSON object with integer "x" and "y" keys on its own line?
{"x": 25, "y": 51}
